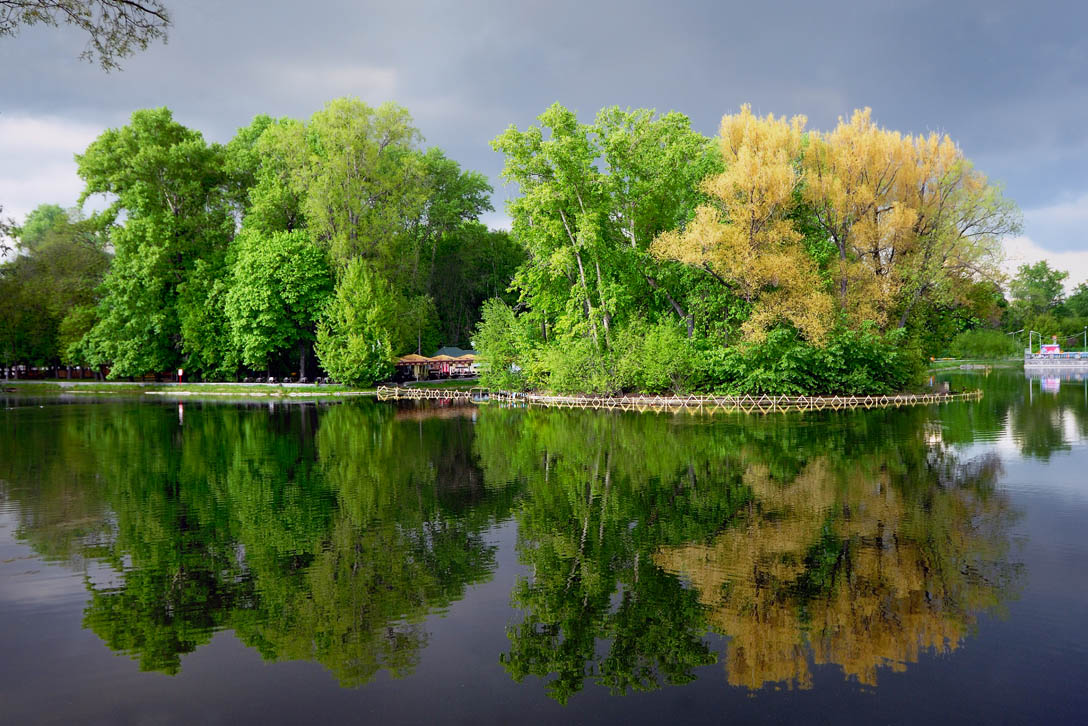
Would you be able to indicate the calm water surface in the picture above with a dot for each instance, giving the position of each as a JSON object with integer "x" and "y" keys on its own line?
{"x": 213, "y": 562}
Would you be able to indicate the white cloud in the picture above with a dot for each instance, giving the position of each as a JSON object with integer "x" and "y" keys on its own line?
{"x": 1024, "y": 250}
{"x": 1059, "y": 226}
{"x": 36, "y": 164}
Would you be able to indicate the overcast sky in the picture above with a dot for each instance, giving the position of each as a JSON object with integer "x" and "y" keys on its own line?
{"x": 1007, "y": 80}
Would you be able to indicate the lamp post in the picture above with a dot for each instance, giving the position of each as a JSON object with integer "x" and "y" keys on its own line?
{"x": 1036, "y": 332}
{"x": 1016, "y": 332}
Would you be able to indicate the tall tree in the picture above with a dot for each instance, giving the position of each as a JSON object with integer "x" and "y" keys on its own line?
{"x": 364, "y": 181}
{"x": 593, "y": 197}
{"x": 746, "y": 239}
{"x": 171, "y": 188}
{"x": 279, "y": 287}
{"x": 1037, "y": 288}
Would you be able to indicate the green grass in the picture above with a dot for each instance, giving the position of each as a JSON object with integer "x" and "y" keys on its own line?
{"x": 211, "y": 389}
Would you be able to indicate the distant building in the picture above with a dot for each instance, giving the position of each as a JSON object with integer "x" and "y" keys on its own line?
{"x": 447, "y": 362}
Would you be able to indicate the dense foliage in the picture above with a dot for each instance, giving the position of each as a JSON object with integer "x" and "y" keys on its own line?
{"x": 643, "y": 255}
{"x": 770, "y": 260}
{"x": 227, "y": 260}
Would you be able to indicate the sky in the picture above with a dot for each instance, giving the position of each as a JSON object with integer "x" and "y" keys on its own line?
{"x": 1008, "y": 81}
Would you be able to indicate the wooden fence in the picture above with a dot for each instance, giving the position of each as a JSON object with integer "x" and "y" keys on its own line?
{"x": 709, "y": 404}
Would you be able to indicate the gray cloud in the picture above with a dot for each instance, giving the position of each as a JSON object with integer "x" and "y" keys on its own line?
{"x": 1006, "y": 79}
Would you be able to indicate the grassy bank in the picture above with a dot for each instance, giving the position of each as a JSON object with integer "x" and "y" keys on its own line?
{"x": 956, "y": 363}
{"x": 273, "y": 390}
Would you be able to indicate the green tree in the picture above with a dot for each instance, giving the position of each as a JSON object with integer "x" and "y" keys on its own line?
{"x": 171, "y": 187}
{"x": 49, "y": 288}
{"x": 354, "y": 339}
{"x": 1037, "y": 289}
{"x": 42, "y": 220}
{"x": 364, "y": 181}
{"x": 1077, "y": 302}
{"x": 280, "y": 283}
{"x": 593, "y": 198}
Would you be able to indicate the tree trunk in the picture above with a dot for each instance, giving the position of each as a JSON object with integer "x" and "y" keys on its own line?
{"x": 588, "y": 305}
{"x": 301, "y": 359}
{"x": 684, "y": 315}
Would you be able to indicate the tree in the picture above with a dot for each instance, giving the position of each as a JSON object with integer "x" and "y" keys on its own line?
{"x": 1037, "y": 289}
{"x": 49, "y": 288}
{"x": 43, "y": 219}
{"x": 1077, "y": 302}
{"x": 745, "y": 238}
{"x": 364, "y": 181}
{"x": 279, "y": 285}
{"x": 171, "y": 187}
{"x": 593, "y": 197}
{"x": 354, "y": 340}
{"x": 115, "y": 28}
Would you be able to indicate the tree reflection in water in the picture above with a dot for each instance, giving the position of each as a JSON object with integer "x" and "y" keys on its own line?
{"x": 861, "y": 541}
{"x": 331, "y": 533}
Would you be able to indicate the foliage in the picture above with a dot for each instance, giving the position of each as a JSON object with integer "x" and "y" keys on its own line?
{"x": 501, "y": 342}
{"x": 47, "y": 291}
{"x": 1037, "y": 289}
{"x": 115, "y": 28}
{"x": 745, "y": 237}
{"x": 354, "y": 339}
{"x": 983, "y": 343}
{"x": 660, "y": 358}
{"x": 172, "y": 190}
{"x": 1077, "y": 302}
{"x": 593, "y": 197}
{"x": 40, "y": 222}
{"x": 853, "y": 361}
{"x": 280, "y": 283}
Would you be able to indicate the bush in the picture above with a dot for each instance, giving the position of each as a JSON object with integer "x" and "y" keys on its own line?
{"x": 852, "y": 361}
{"x": 501, "y": 342}
{"x": 983, "y": 343}
{"x": 573, "y": 367}
{"x": 659, "y": 357}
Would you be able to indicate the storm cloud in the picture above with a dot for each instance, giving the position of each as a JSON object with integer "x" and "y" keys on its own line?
{"x": 1007, "y": 80}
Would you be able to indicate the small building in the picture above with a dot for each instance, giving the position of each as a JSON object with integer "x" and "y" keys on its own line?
{"x": 412, "y": 367}
{"x": 447, "y": 362}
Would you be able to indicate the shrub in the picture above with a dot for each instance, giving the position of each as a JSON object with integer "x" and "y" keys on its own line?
{"x": 501, "y": 342}
{"x": 983, "y": 343}
{"x": 852, "y": 361}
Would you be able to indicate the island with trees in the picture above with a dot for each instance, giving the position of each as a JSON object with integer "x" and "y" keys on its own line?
{"x": 643, "y": 256}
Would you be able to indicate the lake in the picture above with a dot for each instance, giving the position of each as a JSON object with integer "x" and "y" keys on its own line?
{"x": 304, "y": 562}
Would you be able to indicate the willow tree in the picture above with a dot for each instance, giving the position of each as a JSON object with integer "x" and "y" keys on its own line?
{"x": 745, "y": 236}
{"x": 910, "y": 217}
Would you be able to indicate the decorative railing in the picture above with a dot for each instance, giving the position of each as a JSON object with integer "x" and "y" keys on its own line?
{"x": 693, "y": 403}
{"x": 1076, "y": 358}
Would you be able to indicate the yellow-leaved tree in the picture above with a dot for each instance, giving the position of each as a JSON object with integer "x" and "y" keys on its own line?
{"x": 909, "y": 218}
{"x": 745, "y": 237}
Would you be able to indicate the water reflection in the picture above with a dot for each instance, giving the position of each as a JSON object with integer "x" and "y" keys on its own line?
{"x": 331, "y": 533}
{"x": 325, "y": 536}
{"x": 863, "y": 542}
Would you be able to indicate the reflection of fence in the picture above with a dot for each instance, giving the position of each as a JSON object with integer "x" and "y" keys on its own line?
{"x": 709, "y": 404}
